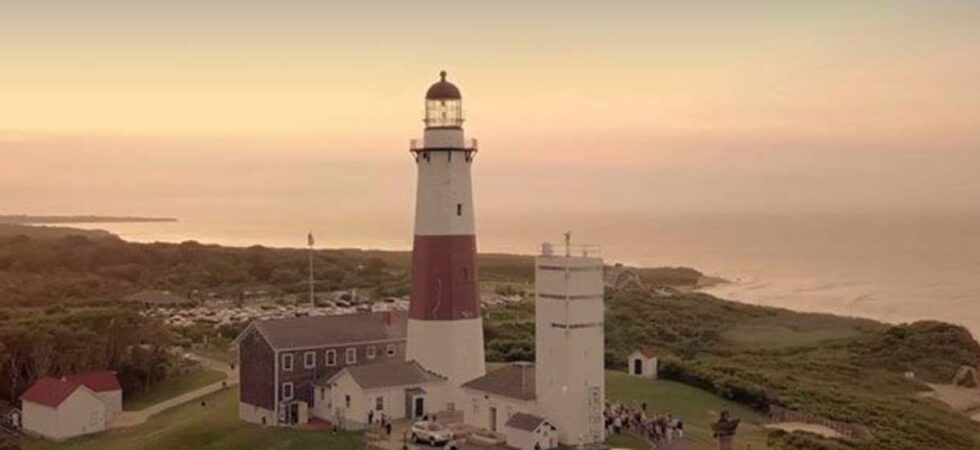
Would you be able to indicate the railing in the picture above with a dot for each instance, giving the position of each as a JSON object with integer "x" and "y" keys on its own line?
{"x": 587, "y": 250}
{"x": 417, "y": 145}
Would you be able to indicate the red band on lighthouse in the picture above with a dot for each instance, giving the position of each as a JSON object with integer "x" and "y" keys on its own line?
{"x": 444, "y": 278}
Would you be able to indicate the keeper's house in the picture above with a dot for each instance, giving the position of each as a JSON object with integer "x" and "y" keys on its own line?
{"x": 282, "y": 359}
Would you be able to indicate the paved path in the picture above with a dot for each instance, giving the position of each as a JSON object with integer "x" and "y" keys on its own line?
{"x": 132, "y": 418}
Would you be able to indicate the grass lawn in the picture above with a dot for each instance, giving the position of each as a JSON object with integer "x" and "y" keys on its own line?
{"x": 215, "y": 427}
{"x": 697, "y": 408}
{"x": 172, "y": 387}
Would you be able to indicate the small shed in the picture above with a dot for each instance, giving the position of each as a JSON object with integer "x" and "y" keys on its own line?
{"x": 530, "y": 432}
{"x": 644, "y": 363}
{"x": 62, "y": 409}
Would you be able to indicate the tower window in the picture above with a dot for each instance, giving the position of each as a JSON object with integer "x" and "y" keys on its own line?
{"x": 459, "y": 209}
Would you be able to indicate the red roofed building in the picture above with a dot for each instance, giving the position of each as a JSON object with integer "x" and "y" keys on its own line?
{"x": 62, "y": 409}
{"x": 644, "y": 362}
{"x": 105, "y": 385}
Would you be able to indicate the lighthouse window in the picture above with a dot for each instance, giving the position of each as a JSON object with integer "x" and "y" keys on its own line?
{"x": 459, "y": 209}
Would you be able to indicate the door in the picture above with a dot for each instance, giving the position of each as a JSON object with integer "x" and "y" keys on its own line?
{"x": 419, "y": 409}
{"x": 493, "y": 419}
{"x": 637, "y": 366}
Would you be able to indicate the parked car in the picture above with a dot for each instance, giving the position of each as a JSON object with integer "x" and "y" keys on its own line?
{"x": 432, "y": 433}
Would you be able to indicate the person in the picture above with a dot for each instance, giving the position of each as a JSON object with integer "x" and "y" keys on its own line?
{"x": 680, "y": 428}
{"x": 371, "y": 417}
{"x": 388, "y": 428}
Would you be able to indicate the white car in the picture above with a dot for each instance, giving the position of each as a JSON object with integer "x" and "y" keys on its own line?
{"x": 432, "y": 433}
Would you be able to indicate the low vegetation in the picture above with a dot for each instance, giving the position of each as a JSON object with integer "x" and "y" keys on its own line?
{"x": 58, "y": 341}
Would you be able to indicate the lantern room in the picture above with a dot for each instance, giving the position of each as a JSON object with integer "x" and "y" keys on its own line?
{"x": 443, "y": 105}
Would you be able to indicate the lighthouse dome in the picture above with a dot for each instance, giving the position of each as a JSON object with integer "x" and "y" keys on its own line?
{"x": 443, "y": 90}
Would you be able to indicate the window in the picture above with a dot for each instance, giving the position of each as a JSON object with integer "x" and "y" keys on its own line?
{"x": 379, "y": 403}
{"x": 390, "y": 350}
{"x": 331, "y": 357}
{"x": 287, "y": 362}
{"x": 287, "y": 391}
{"x": 459, "y": 209}
{"x": 351, "y": 355}
{"x": 323, "y": 394}
{"x": 371, "y": 352}
{"x": 347, "y": 401}
{"x": 309, "y": 360}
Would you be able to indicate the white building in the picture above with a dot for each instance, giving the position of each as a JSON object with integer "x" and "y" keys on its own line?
{"x": 399, "y": 390}
{"x": 644, "y": 363}
{"x": 570, "y": 344}
{"x": 61, "y": 409}
{"x": 105, "y": 384}
{"x": 567, "y": 385}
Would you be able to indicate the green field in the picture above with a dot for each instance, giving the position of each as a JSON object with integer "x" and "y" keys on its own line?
{"x": 697, "y": 408}
{"x": 214, "y": 427}
{"x": 172, "y": 387}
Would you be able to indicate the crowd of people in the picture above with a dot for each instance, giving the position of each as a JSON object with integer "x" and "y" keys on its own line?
{"x": 658, "y": 428}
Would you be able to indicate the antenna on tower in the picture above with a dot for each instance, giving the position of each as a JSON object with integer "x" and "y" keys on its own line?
{"x": 568, "y": 243}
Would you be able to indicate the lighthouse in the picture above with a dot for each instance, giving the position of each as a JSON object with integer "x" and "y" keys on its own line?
{"x": 445, "y": 329}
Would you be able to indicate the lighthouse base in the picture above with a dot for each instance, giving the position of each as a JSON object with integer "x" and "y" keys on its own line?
{"x": 450, "y": 348}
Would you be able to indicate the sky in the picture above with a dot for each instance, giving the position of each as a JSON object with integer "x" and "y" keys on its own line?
{"x": 248, "y": 108}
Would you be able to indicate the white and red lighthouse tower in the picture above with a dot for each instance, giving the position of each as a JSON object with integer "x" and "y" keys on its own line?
{"x": 445, "y": 329}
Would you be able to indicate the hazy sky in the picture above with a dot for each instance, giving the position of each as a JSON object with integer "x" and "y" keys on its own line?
{"x": 187, "y": 108}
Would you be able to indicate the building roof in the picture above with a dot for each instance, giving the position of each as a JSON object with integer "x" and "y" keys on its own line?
{"x": 159, "y": 298}
{"x": 516, "y": 380}
{"x": 325, "y": 331}
{"x": 50, "y": 391}
{"x": 648, "y": 352}
{"x": 102, "y": 381}
{"x": 443, "y": 90}
{"x": 388, "y": 374}
{"x": 526, "y": 422}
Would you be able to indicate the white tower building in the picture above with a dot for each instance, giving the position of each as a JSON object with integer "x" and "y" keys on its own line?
{"x": 570, "y": 344}
{"x": 445, "y": 329}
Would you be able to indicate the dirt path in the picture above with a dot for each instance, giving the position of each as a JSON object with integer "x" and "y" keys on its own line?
{"x": 133, "y": 418}
{"x": 962, "y": 399}
{"x": 808, "y": 427}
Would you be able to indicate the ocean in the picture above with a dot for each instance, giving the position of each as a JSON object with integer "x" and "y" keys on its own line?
{"x": 889, "y": 267}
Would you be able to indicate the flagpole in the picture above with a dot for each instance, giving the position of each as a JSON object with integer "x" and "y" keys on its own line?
{"x": 309, "y": 240}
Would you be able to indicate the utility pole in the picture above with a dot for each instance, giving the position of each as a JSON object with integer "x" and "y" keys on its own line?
{"x": 310, "y": 242}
